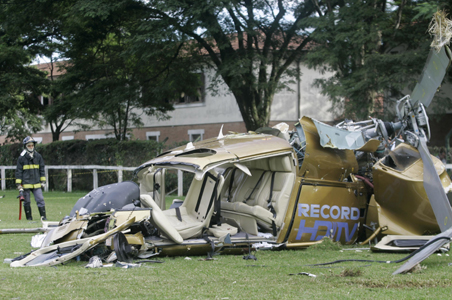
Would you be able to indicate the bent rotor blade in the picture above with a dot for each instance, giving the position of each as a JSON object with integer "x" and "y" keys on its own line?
{"x": 434, "y": 189}
{"x": 426, "y": 252}
{"x": 440, "y": 206}
{"x": 431, "y": 77}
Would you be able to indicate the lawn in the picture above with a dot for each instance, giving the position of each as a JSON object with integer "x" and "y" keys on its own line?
{"x": 226, "y": 277}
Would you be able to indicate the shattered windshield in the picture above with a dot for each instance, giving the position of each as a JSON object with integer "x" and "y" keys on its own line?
{"x": 298, "y": 142}
{"x": 401, "y": 158}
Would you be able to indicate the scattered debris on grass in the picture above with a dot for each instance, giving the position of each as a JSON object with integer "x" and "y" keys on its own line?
{"x": 305, "y": 273}
{"x": 94, "y": 262}
{"x": 125, "y": 265}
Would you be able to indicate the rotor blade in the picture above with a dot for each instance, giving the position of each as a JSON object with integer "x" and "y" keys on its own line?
{"x": 426, "y": 252}
{"x": 434, "y": 189}
{"x": 431, "y": 77}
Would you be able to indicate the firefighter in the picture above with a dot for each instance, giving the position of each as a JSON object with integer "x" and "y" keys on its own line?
{"x": 30, "y": 176}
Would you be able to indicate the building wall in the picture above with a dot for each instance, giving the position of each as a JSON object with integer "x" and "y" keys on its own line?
{"x": 218, "y": 109}
{"x": 221, "y": 109}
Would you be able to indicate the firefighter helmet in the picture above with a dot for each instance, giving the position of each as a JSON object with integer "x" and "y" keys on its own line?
{"x": 28, "y": 140}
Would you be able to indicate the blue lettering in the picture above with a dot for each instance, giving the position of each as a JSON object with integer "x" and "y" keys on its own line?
{"x": 303, "y": 209}
{"x": 332, "y": 229}
{"x": 302, "y": 229}
{"x": 348, "y": 235}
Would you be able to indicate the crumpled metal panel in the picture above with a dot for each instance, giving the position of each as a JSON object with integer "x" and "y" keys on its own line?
{"x": 336, "y": 138}
{"x": 439, "y": 240}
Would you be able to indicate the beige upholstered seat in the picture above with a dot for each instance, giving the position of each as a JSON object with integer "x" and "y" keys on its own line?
{"x": 247, "y": 212}
{"x": 197, "y": 209}
{"x": 160, "y": 220}
{"x": 229, "y": 192}
{"x": 247, "y": 190}
{"x": 148, "y": 186}
{"x": 282, "y": 187}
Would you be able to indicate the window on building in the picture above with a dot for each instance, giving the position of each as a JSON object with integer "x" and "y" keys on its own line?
{"x": 67, "y": 137}
{"x": 46, "y": 100}
{"x": 91, "y": 137}
{"x": 195, "y": 135}
{"x": 153, "y": 135}
{"x": 193, "y": 98}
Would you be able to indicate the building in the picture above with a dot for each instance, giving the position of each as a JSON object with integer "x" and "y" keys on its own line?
{"x": 202, "y": 117}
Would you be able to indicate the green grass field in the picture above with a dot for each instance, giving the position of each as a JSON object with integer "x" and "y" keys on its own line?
{"x": 227, "y": 277}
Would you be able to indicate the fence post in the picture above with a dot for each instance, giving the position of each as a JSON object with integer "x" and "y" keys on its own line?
{"x": 46, "y": 174}
{"x": 69, "y": 180}
{"x": 3, "y": 174}
{"x": 180, "y": 183}
{"x": 95, "y": 181}
{"x": 119, "y": 175}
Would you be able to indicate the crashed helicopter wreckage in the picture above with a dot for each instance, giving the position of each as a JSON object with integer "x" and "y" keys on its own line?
{"x": 278, "y": 187}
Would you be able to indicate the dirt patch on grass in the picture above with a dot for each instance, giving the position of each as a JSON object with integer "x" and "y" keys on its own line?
{"x": 429, "y": 283}
{"x": 326, "y": 244}
{"x": 351, "y": 273}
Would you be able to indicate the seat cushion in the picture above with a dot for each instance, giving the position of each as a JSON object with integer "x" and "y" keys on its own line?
{"x": 188, "y": 227}
{"x": 255, "y": 211}
{"x": 160, "y": 220}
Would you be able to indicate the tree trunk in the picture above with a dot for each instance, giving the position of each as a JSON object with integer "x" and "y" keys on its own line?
{"x": 55, "y": 136}
{"x": 255, "y": 110}
{"x": 55, "y": 132}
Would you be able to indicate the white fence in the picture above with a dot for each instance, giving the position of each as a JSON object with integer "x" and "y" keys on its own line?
{"x": 120, "y": 170}
{"x": 69, "y": 169}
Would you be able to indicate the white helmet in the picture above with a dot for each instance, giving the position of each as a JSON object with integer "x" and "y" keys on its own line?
{"x": 27, "y": 141}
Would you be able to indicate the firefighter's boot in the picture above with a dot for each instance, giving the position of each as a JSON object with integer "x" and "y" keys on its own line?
{"x": 42, "y": 212}
{"x": 27, "y": 209}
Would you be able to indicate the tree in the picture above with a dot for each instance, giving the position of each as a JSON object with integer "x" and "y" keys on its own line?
{"x": 252, "y": 44}
{"x": 375, "y": 49}
{"x": 63, "y": 109}
{"x": 103, "y": 81}
{"x": 118, "y": 83}
{"x": 20, "y": 86}
{"x": 37, "y": 28}
{"x": 128, "y": 54}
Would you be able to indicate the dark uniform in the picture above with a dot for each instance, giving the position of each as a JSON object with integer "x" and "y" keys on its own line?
{"x": 30, "y": 174}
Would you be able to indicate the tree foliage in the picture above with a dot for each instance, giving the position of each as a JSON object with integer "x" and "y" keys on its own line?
{"x": 131, "y": 56}
{"x": 108, "y": 74}
{"x": 20, "y": 87}
{"x": 104, "y": 80}
{"x": 251, "y": 44}
{"x": 375, "y": 50}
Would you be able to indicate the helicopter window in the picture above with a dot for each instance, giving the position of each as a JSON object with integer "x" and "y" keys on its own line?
{"x": 197, "y": 153}
{"x": 298, "y": 142}
{"x": 401, "y": 158}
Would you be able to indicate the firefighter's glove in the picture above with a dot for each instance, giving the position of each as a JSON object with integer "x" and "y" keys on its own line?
{"x": 43, "y": 185}
{"x": 20, "y": 188}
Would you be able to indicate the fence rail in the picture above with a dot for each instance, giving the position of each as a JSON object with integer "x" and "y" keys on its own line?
{"x": 69, "y": 169}
{"x": 120, "y": 170}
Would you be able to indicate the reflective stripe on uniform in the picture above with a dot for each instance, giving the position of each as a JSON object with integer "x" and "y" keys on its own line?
{"x": 27, "y": 167}
{"x": 32, "y": 186}
{"x": 18, "y": 180}
{"x": 42, "y": 179}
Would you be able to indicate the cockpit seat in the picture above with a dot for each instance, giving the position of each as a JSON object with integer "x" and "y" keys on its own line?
{"x": 262, "y": 199}
{"x": 196, "y": 211}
